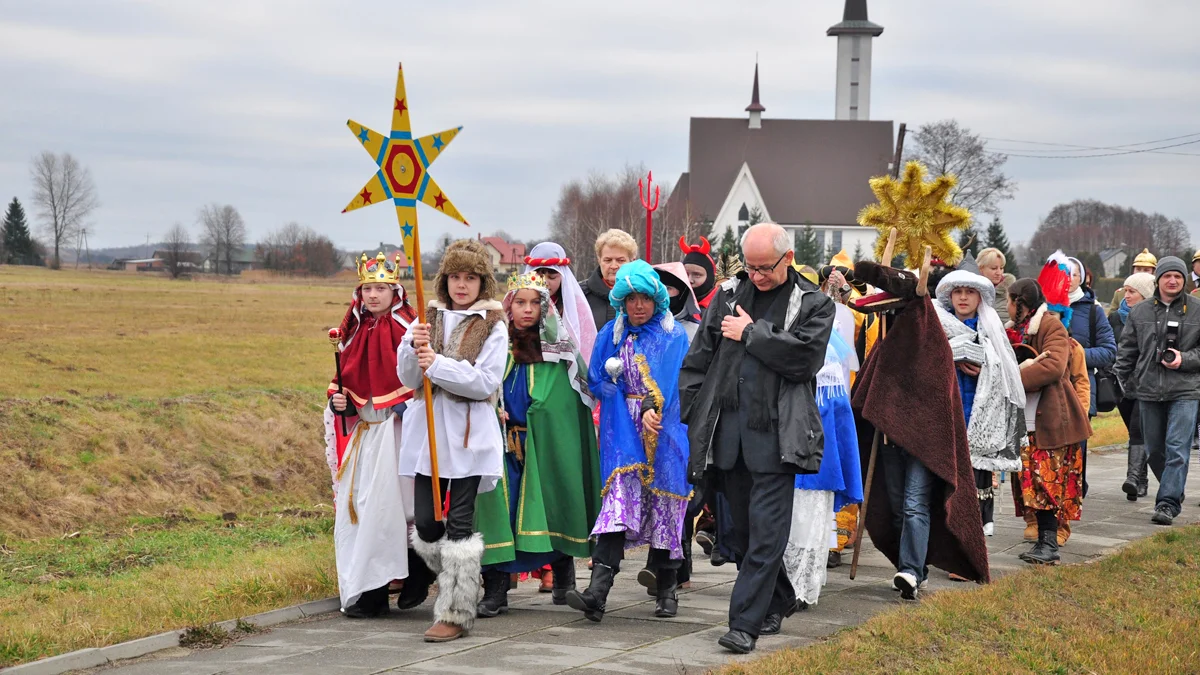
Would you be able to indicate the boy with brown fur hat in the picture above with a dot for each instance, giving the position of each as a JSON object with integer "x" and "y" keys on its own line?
{"x": 462, "y": 351}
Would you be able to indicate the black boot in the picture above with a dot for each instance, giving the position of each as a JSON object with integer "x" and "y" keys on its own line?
{"x": 592, "y": 601}
{"x": 647, "y": 578}
{"x": 416, "y": 586}
{"x": 371, "y": 604}
{"x": 667, "y": 604}
{"x": 495, "y": 594}
{"x": 564, "y": 580}
{"x": 685, "y": 569}
{"x": 1045, "y": 552}
{"x": 1135, "y": 474}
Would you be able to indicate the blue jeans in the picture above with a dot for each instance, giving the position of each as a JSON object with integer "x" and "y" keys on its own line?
{"x": 910, "y": 489}
{"x": 1168, "y": 428}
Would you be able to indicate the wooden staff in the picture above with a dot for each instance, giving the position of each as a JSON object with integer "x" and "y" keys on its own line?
{"x": 427, "y": 390}
{"x": 335, "y": 339}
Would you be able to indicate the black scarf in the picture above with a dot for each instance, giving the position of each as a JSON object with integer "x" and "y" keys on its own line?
{"x": 764, "y": 398}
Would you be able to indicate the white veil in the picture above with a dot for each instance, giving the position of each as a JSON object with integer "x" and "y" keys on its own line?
{"x": 576, "y": 314}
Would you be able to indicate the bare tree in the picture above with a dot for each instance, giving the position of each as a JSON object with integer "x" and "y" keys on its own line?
{"x": 297, "y": 249}
{"x": 1087, "y": 225}
{"x": 222, "y": 232}
{"x": 945, "y": 147}
{"x": 64, "y": 194}
{"x": 177, "y": 246}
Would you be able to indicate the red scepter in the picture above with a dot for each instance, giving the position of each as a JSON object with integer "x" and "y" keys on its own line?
{"x": 335, "y": 339}
{"x": 650, "y": 209}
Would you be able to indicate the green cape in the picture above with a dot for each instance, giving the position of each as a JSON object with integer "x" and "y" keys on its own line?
{"x": 560, "y": 487}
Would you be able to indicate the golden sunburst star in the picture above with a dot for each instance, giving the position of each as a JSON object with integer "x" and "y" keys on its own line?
{"x": 403, "y": 175}
{"x": 920, "y": 213}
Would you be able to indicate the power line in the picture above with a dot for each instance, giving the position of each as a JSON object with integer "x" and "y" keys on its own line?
{"x": 1107, "y": 154}
{"x": 1090, "y": 147}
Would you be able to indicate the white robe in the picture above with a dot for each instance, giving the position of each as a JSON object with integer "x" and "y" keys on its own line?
{"x": 375, "y": 551}
{"x": 482, "y": 454}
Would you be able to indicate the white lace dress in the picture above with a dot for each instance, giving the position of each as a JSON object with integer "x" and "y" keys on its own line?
{"x": 813, "y": 534}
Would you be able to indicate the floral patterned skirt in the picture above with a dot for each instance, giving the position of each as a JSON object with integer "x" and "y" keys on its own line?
{"x": 1050, "y": 480}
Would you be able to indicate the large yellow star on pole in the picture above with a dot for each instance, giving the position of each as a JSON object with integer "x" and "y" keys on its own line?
{"x": 920, "y": 213}
{"x": 403, "y": 175}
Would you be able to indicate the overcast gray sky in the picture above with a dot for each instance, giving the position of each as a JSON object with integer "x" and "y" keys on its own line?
{"x": 174, "y": 104}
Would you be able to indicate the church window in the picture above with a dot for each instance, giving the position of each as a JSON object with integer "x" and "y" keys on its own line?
{"x": 743, "y": 213}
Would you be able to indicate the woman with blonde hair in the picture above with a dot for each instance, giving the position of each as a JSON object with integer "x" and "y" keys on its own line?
{"x": 991, "y": 263}
{"x": 613, "y": 249}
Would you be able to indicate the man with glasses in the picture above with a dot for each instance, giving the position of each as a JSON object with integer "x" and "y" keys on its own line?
{"x": 746, "y": 390}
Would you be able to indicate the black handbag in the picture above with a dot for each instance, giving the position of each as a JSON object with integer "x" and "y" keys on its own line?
{"x": 1108, "y": 391}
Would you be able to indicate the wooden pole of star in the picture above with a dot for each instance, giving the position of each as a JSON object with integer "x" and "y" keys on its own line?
{"x": 403, "y": 177}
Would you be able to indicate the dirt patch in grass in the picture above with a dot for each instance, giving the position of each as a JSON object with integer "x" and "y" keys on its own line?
{"x": 1132, "y": 612}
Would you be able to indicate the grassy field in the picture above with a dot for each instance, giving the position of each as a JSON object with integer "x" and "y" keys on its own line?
{"x": 1134, "y": 612}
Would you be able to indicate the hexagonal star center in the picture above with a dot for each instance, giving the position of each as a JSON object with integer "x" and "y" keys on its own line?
{"x": 403, "y": 168}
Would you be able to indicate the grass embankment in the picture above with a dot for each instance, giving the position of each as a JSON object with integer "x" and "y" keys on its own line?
{"x": 128, "y": 403}
{"x": 1137, "y": 611}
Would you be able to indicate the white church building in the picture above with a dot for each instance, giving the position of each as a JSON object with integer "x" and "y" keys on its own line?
{"x": 797, "y": 173}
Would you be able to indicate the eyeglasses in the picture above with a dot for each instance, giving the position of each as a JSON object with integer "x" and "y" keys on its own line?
{"x": 764, "y": 271}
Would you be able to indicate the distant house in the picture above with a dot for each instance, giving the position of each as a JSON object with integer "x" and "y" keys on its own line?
{"x": 1114, "y": 262}
{"x": 138, "y": 264}
{"x": 506, "y": 258}
{"x": 242, "y": 260}
{"x": 189, "y": 261}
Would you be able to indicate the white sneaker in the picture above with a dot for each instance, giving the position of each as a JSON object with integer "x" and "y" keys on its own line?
{"x": 906, "y": 584}
{"x": 989, "y": 529}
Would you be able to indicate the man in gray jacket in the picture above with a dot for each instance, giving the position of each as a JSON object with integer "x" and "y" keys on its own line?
{"x": 1158, "y": 362}
{"x": 747, "y": 395}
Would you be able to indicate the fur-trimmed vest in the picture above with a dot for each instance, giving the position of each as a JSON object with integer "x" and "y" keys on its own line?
{"x": 467, "y": 338}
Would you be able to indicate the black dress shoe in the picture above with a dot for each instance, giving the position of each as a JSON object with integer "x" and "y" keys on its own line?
{"x": 738, "y": 642}
{"x": 717, "y": 558}
{"x": 772, "y": 624}
{"x": 834, "y": 560}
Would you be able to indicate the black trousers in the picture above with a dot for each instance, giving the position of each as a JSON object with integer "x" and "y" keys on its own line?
{"x": 987, "y": 507}
{"x": 459, "y": 520}
{"x": 610, "y": 551}
{"x": 760, "y": 505}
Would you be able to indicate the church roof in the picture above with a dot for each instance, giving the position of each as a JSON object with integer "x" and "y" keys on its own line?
{"x": 808, "y": 171}
{"x": 755, "y": 104}
{"x": 855, "y": 22}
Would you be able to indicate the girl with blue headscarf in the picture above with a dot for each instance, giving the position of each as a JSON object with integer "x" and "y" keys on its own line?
{"x": 634, "y": 374}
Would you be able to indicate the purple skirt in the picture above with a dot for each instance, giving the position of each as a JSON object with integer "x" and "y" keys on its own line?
{"x": 644, "y": 517}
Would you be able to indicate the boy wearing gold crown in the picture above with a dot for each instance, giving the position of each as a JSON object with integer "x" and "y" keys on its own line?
{"x": 551, "y": 494}
{"x": 462, "y": 351}
{"x": 373, "y": 501}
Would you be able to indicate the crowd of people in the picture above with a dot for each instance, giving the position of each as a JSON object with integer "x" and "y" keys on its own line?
{"x": 663, "y": 406}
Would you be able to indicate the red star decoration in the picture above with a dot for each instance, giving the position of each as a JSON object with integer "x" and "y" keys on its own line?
{"x": 400, "y": 106}
{"x": 441, "y": 201}
{"x": 366, "y": 196}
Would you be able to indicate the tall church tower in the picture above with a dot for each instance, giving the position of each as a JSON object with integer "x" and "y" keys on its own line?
{"x": 854, "y": 36}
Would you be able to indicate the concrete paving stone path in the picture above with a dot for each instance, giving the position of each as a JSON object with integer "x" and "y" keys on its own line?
{"x": 538, "y": 637}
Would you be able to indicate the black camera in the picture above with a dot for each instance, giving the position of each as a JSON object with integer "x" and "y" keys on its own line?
{"x": 1170, "y": 341}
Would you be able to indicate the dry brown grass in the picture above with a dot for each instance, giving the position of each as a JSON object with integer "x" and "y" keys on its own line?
{"x": 1137, "y": 611}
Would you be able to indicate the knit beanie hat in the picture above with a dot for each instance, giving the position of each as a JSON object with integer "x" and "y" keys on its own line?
{"x": 469, "y": 256}
{"x": 1143, "y": 283}
{"x": 1169, "y": 264}
{"x": 700, "y": 254}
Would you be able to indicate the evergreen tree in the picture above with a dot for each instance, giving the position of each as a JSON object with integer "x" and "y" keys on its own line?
{"x": 809, "y": 250}
{"x": 858, "y": 252}
{"x": 729, "y": 243}
{"x": 997, "y": 239}
{"x": 18, "y": 245}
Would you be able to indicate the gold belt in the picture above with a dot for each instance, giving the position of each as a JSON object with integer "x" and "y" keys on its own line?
{"x": 352, "y": 452}
{"x": 513, "y": 435}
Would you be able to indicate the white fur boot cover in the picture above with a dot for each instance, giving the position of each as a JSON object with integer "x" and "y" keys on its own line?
{"x": 458, "y": 581}
{"x": 431, "y": 553}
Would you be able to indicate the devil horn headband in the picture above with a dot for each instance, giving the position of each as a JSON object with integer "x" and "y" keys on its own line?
{"x": 704, "y": 247}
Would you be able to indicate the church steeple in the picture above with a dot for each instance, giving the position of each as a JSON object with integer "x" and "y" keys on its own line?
{"x": 854, "y": 35}
{"x": 756, "y": 108}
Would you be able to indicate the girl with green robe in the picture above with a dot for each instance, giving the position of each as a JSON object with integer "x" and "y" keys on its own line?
{"x": 548, "y": 499}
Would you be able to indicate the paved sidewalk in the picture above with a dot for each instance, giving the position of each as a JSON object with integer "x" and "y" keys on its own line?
{"x": 537, "y": 637}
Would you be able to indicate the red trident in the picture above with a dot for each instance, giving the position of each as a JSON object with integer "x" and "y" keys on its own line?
{"x": 644, "y": 195}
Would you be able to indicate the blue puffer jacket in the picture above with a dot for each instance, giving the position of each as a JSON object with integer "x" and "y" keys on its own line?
{"x": 1103, "y": 354}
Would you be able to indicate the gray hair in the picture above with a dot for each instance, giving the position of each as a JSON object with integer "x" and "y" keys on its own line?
{"x": 781, "y": 241}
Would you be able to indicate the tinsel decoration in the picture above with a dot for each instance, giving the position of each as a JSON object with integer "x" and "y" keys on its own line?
{"x": 920, "y": 213}
{"x": 727, "y": 266}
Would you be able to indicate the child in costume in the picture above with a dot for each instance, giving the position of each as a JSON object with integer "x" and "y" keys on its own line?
{"x": 701, "y": 271}
{"x": 374, "y": 503}
{"x": 1051, "y": 478}
{"x": 462, "y": 351}
{"x": 643, "y": 445}
{"x": 989, "y": 382}
{"x": 551, "y": 490}
{"x": 839, "y": 482}
{"x": 550, "y": 260}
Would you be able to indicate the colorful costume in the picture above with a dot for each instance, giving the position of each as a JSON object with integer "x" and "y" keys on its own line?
{"x": 839, "y": 482}
{"x": 572, "y": 305}
{"x": 635, "y": 369}
{"x": 373, "y": 502}
{"x": 471, "y": 347}
{"x": 547, "y": 502}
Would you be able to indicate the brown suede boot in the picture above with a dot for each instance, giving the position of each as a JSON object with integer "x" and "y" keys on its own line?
{"x": 444, "y": 632}
{"x": 1031, "y": 528}
{"x": 1064, "y": 531}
